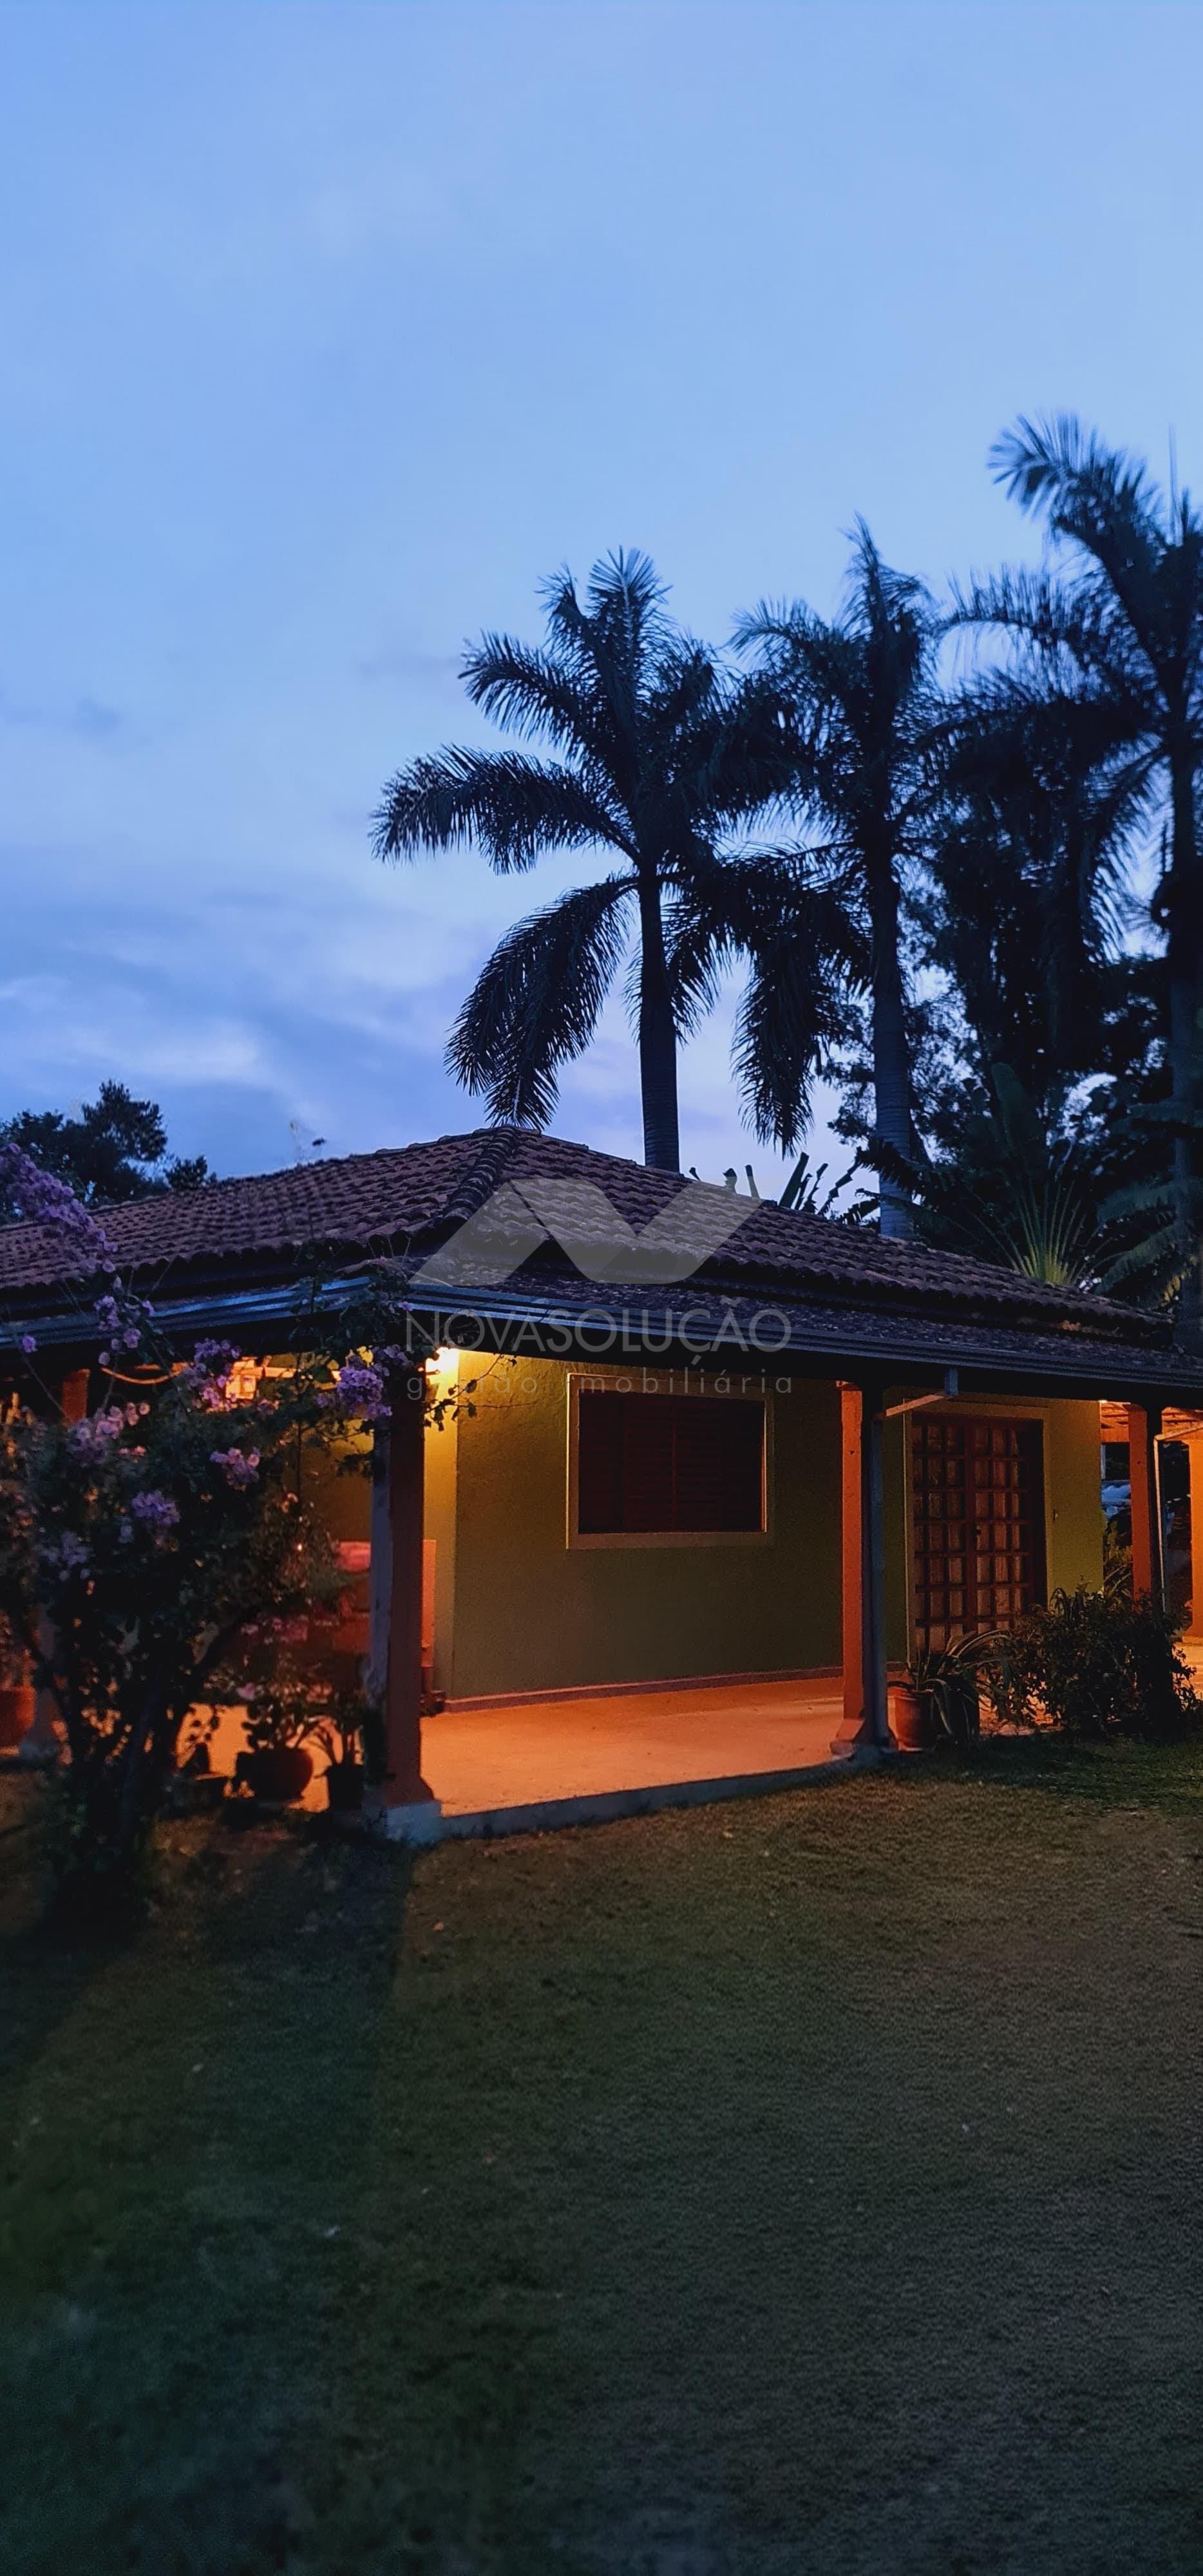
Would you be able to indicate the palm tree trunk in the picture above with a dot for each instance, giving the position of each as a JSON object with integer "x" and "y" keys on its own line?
{"x": 892, "y": 1119}
{"x": 657, "y": 1036}
{"x": 1185, "y": 969}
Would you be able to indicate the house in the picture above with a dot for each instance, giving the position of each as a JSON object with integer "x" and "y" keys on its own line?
{"x": 709, "y": 1470}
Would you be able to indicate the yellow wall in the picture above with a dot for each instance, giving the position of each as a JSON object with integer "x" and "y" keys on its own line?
{"x": 338, "y": 1485}
{"x": 1073, "y": 1501}
{"x": 519, "y": 1610}
{"x": 531, "y": 1613}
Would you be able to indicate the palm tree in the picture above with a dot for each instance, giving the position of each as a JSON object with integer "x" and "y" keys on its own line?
{"x": 1027, "y": 908}
{"x": 865, "y": 712}
{"x": 1121, "y": 633}
{"x": 660, "y": 757}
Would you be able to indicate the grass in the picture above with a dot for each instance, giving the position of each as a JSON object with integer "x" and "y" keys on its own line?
{"x": 803, "y": 2185}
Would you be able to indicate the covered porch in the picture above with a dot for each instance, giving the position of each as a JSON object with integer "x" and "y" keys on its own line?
{"x": 529, "y": 1759}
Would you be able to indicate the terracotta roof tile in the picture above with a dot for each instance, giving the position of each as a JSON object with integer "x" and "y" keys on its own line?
{"x": 410, "y": 1198}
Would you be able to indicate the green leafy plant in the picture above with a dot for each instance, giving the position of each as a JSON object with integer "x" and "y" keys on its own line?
{"x": 1096, "y": 1665}
{"x": 1010, "y": 1193}
{"x": 947, "y": 1681}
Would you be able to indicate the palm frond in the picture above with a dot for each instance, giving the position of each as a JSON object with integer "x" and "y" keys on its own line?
{"x": 533, "y": 693}
{"x": 535, "y": 1005}
{"x": 515, "y": 809}
{"x": 1058, "y": 467}
{"x": 1104, "y": 503}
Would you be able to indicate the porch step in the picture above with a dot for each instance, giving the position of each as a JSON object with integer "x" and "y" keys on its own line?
{"x": 608, "y": 1806}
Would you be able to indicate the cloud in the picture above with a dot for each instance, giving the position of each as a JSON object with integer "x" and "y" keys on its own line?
{"x": 93, "y": 719}
{"x": 437, "y": 672}
{"x": 89, "y": 718}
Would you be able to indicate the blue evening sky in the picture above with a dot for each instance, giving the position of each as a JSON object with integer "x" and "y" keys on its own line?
{"x": 328, "y": 329}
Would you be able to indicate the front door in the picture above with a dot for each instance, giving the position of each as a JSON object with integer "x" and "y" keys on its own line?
{"x": 977, "y": 1527}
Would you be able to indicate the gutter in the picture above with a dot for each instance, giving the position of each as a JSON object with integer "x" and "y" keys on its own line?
{"x": 819, "y": 1348}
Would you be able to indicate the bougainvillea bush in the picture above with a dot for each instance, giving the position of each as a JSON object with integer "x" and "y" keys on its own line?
{"x": 139, "y": 1545}
{"x": 154, "y": 1553}
{"x": 136, "y": 1546}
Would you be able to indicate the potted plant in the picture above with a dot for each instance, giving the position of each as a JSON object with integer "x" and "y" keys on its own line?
{"x": 341, "y": 1737}
{"x": 276, "y": 1764}
{"x": 195, "y": 1787}
{"x": 16, "y": 1694}
{"x": 941, "y": 1695}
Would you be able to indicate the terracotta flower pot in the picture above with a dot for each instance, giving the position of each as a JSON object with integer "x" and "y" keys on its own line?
{"x": 16, "y": 1712}
{"x": 910, "y": 1723}
{"x": 279, "y": 1774}
{"x": 344, "y": 1787}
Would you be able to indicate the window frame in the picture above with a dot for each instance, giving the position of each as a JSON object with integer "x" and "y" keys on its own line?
{"x": 600, "y": 1381}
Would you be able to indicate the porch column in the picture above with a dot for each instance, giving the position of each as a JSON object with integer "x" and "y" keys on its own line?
{"x": 1144, "y": 1423}
{"x": 409, "y": 1810}
{"x": 1194, "y": 1451}
{"x": 866, "y": 1708}
{"x": 40, "y": 1742}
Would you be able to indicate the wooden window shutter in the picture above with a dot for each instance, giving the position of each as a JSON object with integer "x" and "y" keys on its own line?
{"x": 662, "y": 1463}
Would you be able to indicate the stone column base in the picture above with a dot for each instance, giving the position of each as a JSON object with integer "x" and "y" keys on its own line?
{"x": 421, "y": 1823}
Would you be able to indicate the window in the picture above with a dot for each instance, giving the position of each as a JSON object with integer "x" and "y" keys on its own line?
{"x": 669, "y": 1464}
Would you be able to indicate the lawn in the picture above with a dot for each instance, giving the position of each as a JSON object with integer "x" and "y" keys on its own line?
{"x": 810, "y": 2184}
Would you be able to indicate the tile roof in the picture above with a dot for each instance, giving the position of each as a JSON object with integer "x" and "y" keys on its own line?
{"x": 408, "y": 1200}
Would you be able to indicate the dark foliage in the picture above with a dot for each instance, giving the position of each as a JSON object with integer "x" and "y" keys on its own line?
{"x": 865, "y": 729}
{"x": 1096, "y": 1665}
{"x": 114, "y": 1148}
{"x": 1108, "y": 645}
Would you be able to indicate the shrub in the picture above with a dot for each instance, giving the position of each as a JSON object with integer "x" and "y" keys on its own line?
{"x": 136, "y": 1547}
{"x": 1096, "y": 1665}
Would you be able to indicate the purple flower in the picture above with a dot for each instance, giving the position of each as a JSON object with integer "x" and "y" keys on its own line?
{"x": 28, "y": 1344}
{"x": 43, "y": 1200}
{"x": 157, "y": 1513}
{"x": 361, "y": 1393}
{"x": 68, "y": 1555}
{"x": 237, "y": 1470}
{"x": 90, "y": 1438}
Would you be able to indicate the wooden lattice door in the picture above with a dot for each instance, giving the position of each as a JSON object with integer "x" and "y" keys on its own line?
{"x": 977, "y": 1524}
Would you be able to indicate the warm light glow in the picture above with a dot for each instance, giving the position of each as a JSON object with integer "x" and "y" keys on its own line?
{"x": 441, "y": 1362}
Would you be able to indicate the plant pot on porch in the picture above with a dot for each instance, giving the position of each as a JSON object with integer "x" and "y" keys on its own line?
{"x": 344, "y": 1788}
{"x": 278, "y": 1774}
{"x": 16, "y": 1713}
{"x": 912, "y": 1723}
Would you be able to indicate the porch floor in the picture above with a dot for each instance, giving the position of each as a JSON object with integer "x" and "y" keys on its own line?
{"x": 527, "y": 1753}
